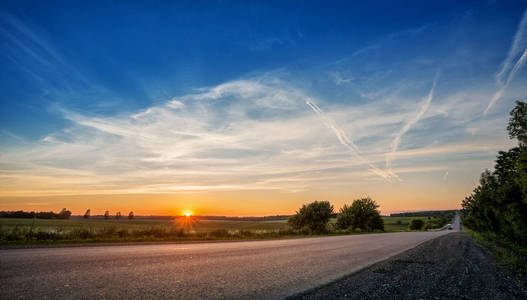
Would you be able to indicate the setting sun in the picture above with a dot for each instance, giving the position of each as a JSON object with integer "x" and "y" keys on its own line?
{"x": 187, "y": 213}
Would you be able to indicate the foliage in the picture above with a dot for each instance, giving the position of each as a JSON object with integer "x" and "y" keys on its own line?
{"x": 426, "y": 213}
{"x": 87, "y": 214}
{"x": 362, "y": 213}
{"x": 517, "y": 127}
{"x": 63, "y": 214}
{"x": 416, "y": 224}
{"x": 26, "y": 231}
{"x": 507, "y": 253}
{"x": 439, "y": 220}
{"x": 106, "y": 215}
{"x": 499, "y": 204}
{"x": 131, "y": 215}
{"x": 118, "y": 215}
{"x": 97, "y": 229}
{"x": 314, "y": 217}
{"x": 20, "y": 214}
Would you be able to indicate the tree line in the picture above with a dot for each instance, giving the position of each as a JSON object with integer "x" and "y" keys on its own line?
{"x": 63, "y": 214}
{"x": 428, "y": 213}
{"x": 106, "y": 215}
{"x": 498, "y": 205}
{"x": 434, "y": 219}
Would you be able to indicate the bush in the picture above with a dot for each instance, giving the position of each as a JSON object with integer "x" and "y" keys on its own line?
{"x": 432, "y": 224}
{"x": 363, "y": 214}
{"x": 313, "y": 217}
{"x": 416, "y": 224}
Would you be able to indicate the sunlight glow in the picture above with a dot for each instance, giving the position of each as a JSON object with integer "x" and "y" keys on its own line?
{"x": 187, "y": 213}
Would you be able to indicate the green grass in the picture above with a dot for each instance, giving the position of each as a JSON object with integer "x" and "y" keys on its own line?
{"x": 398, "y": 224}
{"x": 192, "y": 224}
{"x": 508, "y": 254}
{"x": 42, "y": 231}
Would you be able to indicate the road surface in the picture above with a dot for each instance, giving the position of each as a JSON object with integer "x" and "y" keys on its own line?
{"x": 256, "y": 269}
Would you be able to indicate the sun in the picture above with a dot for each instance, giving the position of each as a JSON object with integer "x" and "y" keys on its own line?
{"x": 187, "y": 213}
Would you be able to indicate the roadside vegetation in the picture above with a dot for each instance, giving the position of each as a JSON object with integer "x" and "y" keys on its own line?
{"x": 313, "y": 219}
{"x": 496, "y": 211}
{"x": 427, "y": 220}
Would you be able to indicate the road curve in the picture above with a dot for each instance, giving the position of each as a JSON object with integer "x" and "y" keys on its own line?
{"x": 256, "y": 269}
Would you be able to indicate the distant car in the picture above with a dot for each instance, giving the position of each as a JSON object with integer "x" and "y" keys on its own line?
{"x": 449, "y": 226}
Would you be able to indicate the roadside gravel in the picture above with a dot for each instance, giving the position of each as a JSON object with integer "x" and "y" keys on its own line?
{"x": 448, "y": 267}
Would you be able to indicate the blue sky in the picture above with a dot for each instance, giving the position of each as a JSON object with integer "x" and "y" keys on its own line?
{"x": 337, "y": 100}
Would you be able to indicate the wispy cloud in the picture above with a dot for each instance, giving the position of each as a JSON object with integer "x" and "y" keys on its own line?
{"x": 250, "y": 134}
{"x": 346, "y": 141}
{"x": 422, "y": 108}
{"x": 509, "y": 69}
{"x": 25, "y": 39}
{"x": 339, "y": 79}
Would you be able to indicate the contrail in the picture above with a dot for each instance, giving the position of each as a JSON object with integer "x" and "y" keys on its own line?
{"x": 423, "y": 107}
{"x": 519, "y": 44}
{"x": 519, "y": 64}
{"x": 346, "y": 141}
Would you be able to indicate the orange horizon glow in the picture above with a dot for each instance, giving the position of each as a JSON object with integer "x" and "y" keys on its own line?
{"x": 403, "y": 197}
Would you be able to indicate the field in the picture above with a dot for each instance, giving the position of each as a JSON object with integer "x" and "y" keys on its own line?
{"x": 24, "y": 231}
{"x": 189, "y": 224}
{"x": 397, "y": 224}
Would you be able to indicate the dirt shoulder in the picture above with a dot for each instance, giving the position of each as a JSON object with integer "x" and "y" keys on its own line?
{"x": 451, "y": 266}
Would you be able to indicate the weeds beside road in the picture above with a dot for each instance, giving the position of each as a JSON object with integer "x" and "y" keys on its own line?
{"x": 49, "y": 231}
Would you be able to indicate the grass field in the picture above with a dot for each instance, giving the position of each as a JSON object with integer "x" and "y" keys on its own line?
{"x": 28, "y": 231}
{"x": 398, "y": 224}
{"x": 191, "y": 224}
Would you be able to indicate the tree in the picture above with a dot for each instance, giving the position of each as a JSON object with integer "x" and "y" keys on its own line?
{"x": 498, "y": 205}
{"x": 416, "y": 224}
{"x": 87, "y": 214}
{"x": 313, "y": 216}
{"x": 517, "y": 127}
{"x": 131, "y": 215}
{"x": 118, "y": 215}
{"x": 361, "y": 214}
{"x": 106, "y": 215}
{"x": 64, "y": 214}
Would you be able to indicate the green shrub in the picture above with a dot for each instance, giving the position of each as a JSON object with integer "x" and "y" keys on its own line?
{"x": 416, "y": 224}
{"x": 362, "y": 213}
{"x": 314, "y": 217}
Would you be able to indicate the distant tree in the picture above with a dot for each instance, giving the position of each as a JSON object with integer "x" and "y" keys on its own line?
{"x": 118, "y": 215}
{"x": 106, "y": 215}
{"x": 131, "y": 215}
{"x": 361, "y": 214}
{"x": 313, "y": 216}
{"x": 87, "y": 214}
{"x": 64, "y": 214}
{"x": 416, "y": 224}
{"x": 45, "y": 215}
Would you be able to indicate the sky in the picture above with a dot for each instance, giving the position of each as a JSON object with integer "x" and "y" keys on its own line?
{"x": 253, "y": 108}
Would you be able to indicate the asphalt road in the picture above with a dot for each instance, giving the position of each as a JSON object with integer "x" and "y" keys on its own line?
{"x": 251, "y": 269}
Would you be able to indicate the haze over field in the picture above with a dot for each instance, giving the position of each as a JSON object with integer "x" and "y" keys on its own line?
{"x": 250, "y": 109}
